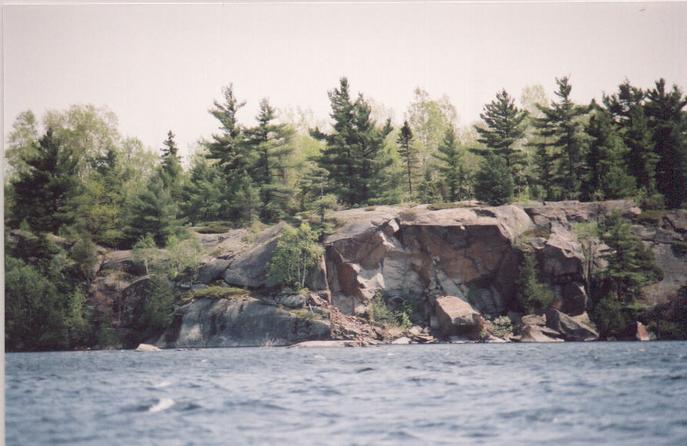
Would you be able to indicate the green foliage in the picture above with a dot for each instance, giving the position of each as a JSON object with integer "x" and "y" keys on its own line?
{"x": 158, "y": 308}
{"x": 216, "y": 292}
{"x": 452, "y": 168}
{"x": 501, "y": 327}
{"x": 631, "y": 264}
{"x": 606, "y": 174}
{"x": 493, "y": 181}
{"x": 505, "y": 126}
{"x": 533, "y": 295}
{"x": 354, "y": 155}
{"x": 153, "y": 212}
{"x": 381, "y": 314}
{"x": 296, "y": 253}
{"x": 42, "y": 191}
{"x": 609, "y": 317}
{"x": 408, "y": 154}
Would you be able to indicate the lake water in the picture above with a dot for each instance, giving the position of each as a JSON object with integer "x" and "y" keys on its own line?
{"x": 563, "y": 394}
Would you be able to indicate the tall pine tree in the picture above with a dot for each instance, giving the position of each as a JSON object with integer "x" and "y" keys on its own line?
{"x": 606, "y": 175}
{"x": 172, "y": 173}
{"x": 408, "y": 155}
{"x": 561, "y": 127}
{"x": 668, "y": 125}
{"x": 42, "y": 191}
{"x": 452, "y": 168}
{"x": 505, "y": 126}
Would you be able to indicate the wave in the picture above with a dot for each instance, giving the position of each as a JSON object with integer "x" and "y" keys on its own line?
{"x": 162, "y": 404}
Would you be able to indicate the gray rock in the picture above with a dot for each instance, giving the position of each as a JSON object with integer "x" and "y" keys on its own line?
{"x": 213, "y": 270}
{"x": 571, "y": 328}
{"x": 249, "y": 269}
{"x": 533, "y": 333}
{"x": 291, "y": 300}
{"x": 147, "y": 348}
{"x": 241, "y": 322}
{"x": 533, "y": 319}
{"x": 401, "y": 341}
{"x": 457, "y": 317}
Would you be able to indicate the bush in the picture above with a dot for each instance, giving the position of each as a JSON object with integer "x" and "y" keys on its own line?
{"x": 381, "y": 314}
{"x": 494, "y": 182}
{"x": 215, "y": 292}
{"x": 609, "y": 317}
{"x": 158, "y": 308}
{"x": 297, "y": 251}
{"x": 501, "y": 327}
{"x": 533, "y": 295}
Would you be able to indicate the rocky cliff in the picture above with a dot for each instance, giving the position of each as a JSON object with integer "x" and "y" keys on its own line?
{"x": 457, "y": 267}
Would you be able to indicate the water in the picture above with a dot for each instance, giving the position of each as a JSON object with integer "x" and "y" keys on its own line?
{"x": 570, "y": 394}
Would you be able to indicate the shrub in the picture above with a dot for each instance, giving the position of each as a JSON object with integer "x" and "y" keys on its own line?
{"x": 408, "y": 214}
{"x": 494, "y": 182}
{"x": 533, "y": 295}
{"x": 609, "y": 317}
{"x": 381, "y": 314}
{"x": 297, "y": 251}
{"x": 215, "y": 292}
{"x": 501, "y": 327}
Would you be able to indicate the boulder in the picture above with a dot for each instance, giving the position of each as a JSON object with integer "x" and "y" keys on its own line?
{"x": 249, "y": 268}
{"x": 641, "y": 333}
{"x": 571, "y": 328}
{"x": 533, "y": 333}
{"x": 242, "y": 322}
{"x": 401, "y": 341}
{"x": 533, "y": 319}
{"x": 213, "y": 270}
{"x": 457, "y": 317}
{"x": 147, "y": 348}
{"x": 291, "y": 300}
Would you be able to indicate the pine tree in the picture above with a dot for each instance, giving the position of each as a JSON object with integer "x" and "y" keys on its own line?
{"x": 171, "y": 167}
{"x": 452, "y": 168}
{"x": 668, "y": 125}
{"x": 408, "y": 155}
{"x": 505, "y": 126}
{"x": 235, "y": 160}
{"x": 606, "y": 174}
{"x": 42, "y": 191}
{"x": 354, "y": 155}
{"x": 628, "y": 110}
{"x": 493, "y": 181}
{"x": 561, "y": 128}
{"x": 271, "y": 142}
{"x": 202, "y": 193}
{"x": 631, "y": 264}
{"x": 152, "y": 212}
{"x": 533, "y": 295}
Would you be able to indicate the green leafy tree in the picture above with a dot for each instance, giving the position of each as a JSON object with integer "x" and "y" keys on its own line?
{"x": 452, "y": 168}
{"x": 505, "y": 127}
{"x": 202, "y": 193}
{"x": 533, "y": 295}
{"x": 493, "y": 181}
{"x": 609, "y": 317}
{"x": 42, "y": 191}
{"x": 408, "y": 155}
{"x": 296, "y": 253}
{"x": 606, "y": 175}
{"x": 668, "y": 125}
{"x": 560, "y": 126}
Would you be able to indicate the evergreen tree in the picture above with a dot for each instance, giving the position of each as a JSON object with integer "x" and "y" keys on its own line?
{"x": 560, "y": 125}
{"x": 533, "y": 295}
{"x": 354, "y": 155}
{"x": 42, "y": 191}
{"x": 235, "y": 160}
{"x": 493, "y": 181}
{"x": 505, "y": 126}
{"x": 428, "y": 190}
{"x": 606, "y": 174}
{"x": 627, "y": 108}
{"x": 408, "y": 155}
{"x": 543, "y": 163}
{"x": 172, "y": 172}
{"x": 631, "y": 264}
{"x": 668, "y": 125}
{"x": 153, "y": 212}
{"x": 202, "y": 193}
{"x": 271, "y": 142}
{"x": 452, "y": 168}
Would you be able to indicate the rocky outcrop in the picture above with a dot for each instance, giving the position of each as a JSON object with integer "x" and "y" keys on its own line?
{"x": 457, "y": 317}
{"x": 452, "y": 265}
{"x": 242, "y": 322}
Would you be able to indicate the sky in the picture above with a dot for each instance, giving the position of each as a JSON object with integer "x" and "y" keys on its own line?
{"x": 159, "y": 67}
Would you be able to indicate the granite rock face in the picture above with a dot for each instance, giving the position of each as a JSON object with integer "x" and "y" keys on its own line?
{"x": 241, "y": 322}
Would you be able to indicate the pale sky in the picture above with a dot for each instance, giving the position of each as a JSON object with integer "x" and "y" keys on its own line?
{"x": 159, "y": 67}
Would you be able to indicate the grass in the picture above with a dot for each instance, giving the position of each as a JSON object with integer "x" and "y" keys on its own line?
{"x": 651, "y": 217}
{"x": 382, "y": 315}
{"x": 215, "y": 292}
{"x": 213, "y": 227}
